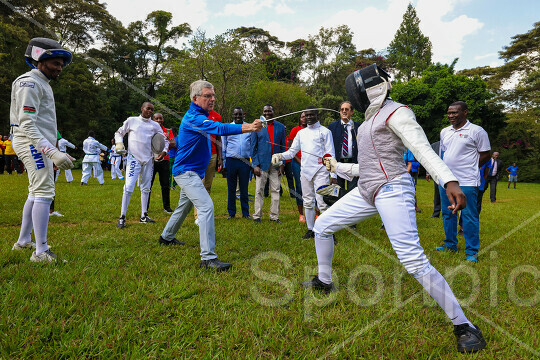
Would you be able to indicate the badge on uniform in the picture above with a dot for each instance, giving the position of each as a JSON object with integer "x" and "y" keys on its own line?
{"x": 387, "y": 188}
{"x": 29, "y": 84}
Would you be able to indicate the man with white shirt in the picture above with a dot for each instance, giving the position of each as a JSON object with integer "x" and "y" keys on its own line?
{"x": 63, "y": 144}
{"x": 495, "y": 170}
{"x": 140, "y": 159}
{"x": 314, "y": 142}
{"x": 344, "y": 135}
{"x": 464, "y": 148}
{"x": 92, "y": 148}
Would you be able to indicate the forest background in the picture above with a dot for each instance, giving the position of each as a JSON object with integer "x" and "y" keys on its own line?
{"x": 116, "y": 68}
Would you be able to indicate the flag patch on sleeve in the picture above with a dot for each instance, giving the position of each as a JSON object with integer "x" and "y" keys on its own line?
{"x": 29, "y": 109}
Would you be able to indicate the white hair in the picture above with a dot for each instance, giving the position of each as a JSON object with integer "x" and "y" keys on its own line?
{"x": 195, "y": 89}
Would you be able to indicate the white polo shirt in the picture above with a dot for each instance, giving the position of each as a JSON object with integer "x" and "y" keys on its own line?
{"x": 460, "y": 150}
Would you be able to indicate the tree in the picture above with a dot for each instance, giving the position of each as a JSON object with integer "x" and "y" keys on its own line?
{"x": 410, "y": 51}
{"x": 430, "y": 95}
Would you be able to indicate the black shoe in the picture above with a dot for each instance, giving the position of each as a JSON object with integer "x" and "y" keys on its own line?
{"x": 469, "y": 339}
{"x": 335, "y": 240}
{"x": 168, "y": 210}
{"x": 258, "y": 221}
{"x": 382, "y": 227}
{"x": 121, "y": 222}
{"x": 247, "y": 217}
{"x": 277, "y": 221}
{"x": 171, "y": 242}
{"x": 215, "y": 264}
{"x": 317, "y": 284}
{"x": 230, "y": 217}
{"x": 145, "y": 219}
{"x": 435, "y": 216}
{"x": 309, "y": 235}
{"x": 82, "y": 184}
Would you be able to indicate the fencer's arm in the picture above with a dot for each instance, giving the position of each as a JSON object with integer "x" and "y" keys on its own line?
{"x": 403, "y": 124}
{"x": 347, "y": 171}
{"x": 293, "y": 150}
{"x": 122, "y": 130}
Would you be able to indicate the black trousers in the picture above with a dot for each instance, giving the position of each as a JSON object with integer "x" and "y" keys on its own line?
{"x": 492, "y": 184}
{"x": 162, "y": 168}
{"x": 12, "y": 159}
{"x": 436, "y": 201}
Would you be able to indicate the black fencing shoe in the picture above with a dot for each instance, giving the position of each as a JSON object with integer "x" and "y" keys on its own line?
{"x": 469, "y": 339}
{"x": 145, "y": 219}
{"x": 168, "y": 210}
{"x": 121, "y": 222}
{"x": 317, "y": 284}
{"x": 309, "y": 235}
{"x": 171, "y": 242}
{"x": 215, "y": 264}
{"x": 277, "y": 221}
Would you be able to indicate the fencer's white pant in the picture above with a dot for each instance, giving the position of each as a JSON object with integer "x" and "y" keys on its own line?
{"x": 260, "y": 183}
{"x": 309, "y": 195}
{"x": 115, "y": 167}
{"x": 133, "y": 170}
{"x": 395, "y": 204}
{"x": 38, "y": 166}
{"x": 87, "y": 171}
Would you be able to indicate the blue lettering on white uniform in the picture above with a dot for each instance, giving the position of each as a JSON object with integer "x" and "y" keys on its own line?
{"x": 38, "y": 157}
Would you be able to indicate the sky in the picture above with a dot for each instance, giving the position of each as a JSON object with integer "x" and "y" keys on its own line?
{"x": 472, "y": 30}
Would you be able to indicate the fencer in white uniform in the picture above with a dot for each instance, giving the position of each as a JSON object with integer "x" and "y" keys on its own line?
{"x": 63, "y": 144}
{"x": 33, "y": 123}
{"x": 140, "y": 130}
{"x": 92, "y": 148}
{"x": 385, "y": 188}
{"x": 116, "y": 159}
{"x": 314, "y": 141}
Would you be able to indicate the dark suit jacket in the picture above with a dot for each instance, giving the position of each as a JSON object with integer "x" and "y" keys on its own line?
{"x": 499, "y": 168}
{"x": 261, "y": 149}
{"x": 337, "y": 134}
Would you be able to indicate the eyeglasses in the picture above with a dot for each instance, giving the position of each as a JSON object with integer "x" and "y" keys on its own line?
{"x": 209, "y": 96}
{"x": 344, "y": 109}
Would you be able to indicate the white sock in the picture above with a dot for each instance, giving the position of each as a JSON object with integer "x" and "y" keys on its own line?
{"x": 125, "y": 202}
{"x": 325, "y": 251}
{"x": 144, "y": 202}
{"x": 26, "y": 225}
{"x": 438, "y": 288}
{"x": 40, "y": 218}
{"x": 310, "y": 217}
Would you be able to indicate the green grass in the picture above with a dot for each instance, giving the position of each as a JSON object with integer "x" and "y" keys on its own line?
{"x": 120, "y": 294}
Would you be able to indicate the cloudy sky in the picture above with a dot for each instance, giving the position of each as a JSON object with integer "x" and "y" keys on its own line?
{"x": 473, "y": 30}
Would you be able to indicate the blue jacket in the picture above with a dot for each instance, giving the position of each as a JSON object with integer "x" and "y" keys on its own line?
{"x": 193, "y": 145}
{"x": 261, "y": 149}
{"x": 337, "y": 134}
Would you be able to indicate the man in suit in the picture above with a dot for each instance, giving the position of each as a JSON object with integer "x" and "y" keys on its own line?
{"x": 267, "y": 143}
{"x": 493, "y": 176}
{"x": 344, "y": 134}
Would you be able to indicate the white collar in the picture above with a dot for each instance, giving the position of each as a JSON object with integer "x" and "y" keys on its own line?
{"x": 316, "y": 125}
{"x": 464, "y": 127}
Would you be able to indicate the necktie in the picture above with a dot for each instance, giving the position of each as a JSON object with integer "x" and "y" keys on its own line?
{"x": 345, "y": 147}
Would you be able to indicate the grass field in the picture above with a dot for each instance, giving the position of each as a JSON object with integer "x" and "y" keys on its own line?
{"x": 119, "y": 294}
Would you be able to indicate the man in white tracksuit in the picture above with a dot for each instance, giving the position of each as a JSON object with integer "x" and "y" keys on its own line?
{"x": 115, "y": 159}
{"x": 385, "y": 188}
{"x": 63, "y": 144}
{"x": 92, "y": 148}
{"x": 33, "y": 120}
{"x": 314, "y": 141}
{"x": 140, "y": 160}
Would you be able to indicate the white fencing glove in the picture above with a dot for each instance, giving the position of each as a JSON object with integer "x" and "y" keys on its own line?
{"x": 331, "y": 163}
{"x": 60, "y": 159}
{"x": 276, "y": 159}
{"x": 120, "y": 149}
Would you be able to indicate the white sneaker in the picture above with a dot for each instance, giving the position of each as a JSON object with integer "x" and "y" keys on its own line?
{"x": 197, "y": 222}
{"x": 28, "y": 245}
{"x": 46, "y": 256}
{"x": 56, "y": 213}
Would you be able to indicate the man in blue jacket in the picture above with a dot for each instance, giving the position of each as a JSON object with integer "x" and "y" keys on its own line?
{"x": 190, "y": 163}
{"x": 267, "y": 143}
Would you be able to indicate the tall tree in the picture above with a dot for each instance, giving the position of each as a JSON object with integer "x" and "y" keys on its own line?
{"x": 410, "y": 50}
